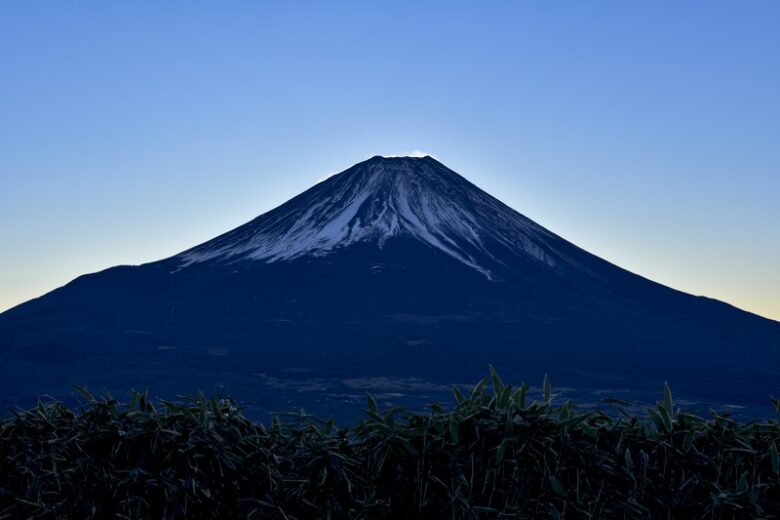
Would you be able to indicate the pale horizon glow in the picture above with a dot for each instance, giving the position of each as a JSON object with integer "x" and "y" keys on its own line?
{"x": 644, "y": 134}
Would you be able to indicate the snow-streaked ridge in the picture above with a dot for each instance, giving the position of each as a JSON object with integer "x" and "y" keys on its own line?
{"x": 377, "y": 201}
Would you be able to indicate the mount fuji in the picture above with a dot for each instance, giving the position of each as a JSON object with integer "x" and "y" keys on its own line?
{"x": 397, "y": 271}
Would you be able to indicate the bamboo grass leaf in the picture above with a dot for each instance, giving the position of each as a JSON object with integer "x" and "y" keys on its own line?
{"x": 83, "y": 392}
{"x": 458, "y": 395}
{"x": 501, "y": 451}
{"x": 372, "y": 404}
{"x": 629, "y": 461}
{"x": 454, "y": 435}
{"x": 668, "y": 400}
{"x": 557, "y": 487}
{"x": 498, "y": 385}
{"x": 547, "y": 390}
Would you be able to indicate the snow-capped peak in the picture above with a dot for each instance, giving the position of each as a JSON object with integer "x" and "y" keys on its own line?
{"x": 376, "y": 201}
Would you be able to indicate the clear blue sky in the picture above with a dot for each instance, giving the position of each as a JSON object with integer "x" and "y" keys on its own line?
{"x": 647, "y": 133}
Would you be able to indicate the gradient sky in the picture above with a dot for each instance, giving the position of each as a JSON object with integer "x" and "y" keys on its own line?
{"x": 647, "y": 133}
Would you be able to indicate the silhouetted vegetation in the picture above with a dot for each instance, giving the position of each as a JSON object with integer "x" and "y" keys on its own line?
{"x": 494, "y": 454}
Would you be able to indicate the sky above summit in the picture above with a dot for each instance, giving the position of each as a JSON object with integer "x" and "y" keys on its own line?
{"x": 645, "y": 133}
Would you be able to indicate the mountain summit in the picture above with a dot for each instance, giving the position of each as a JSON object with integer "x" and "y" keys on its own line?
{"x": 397, "y": 271}
{"x": 382, "y": 199}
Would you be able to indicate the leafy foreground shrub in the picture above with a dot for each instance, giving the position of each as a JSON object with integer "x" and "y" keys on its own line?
{"x": 494, "y": 455}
